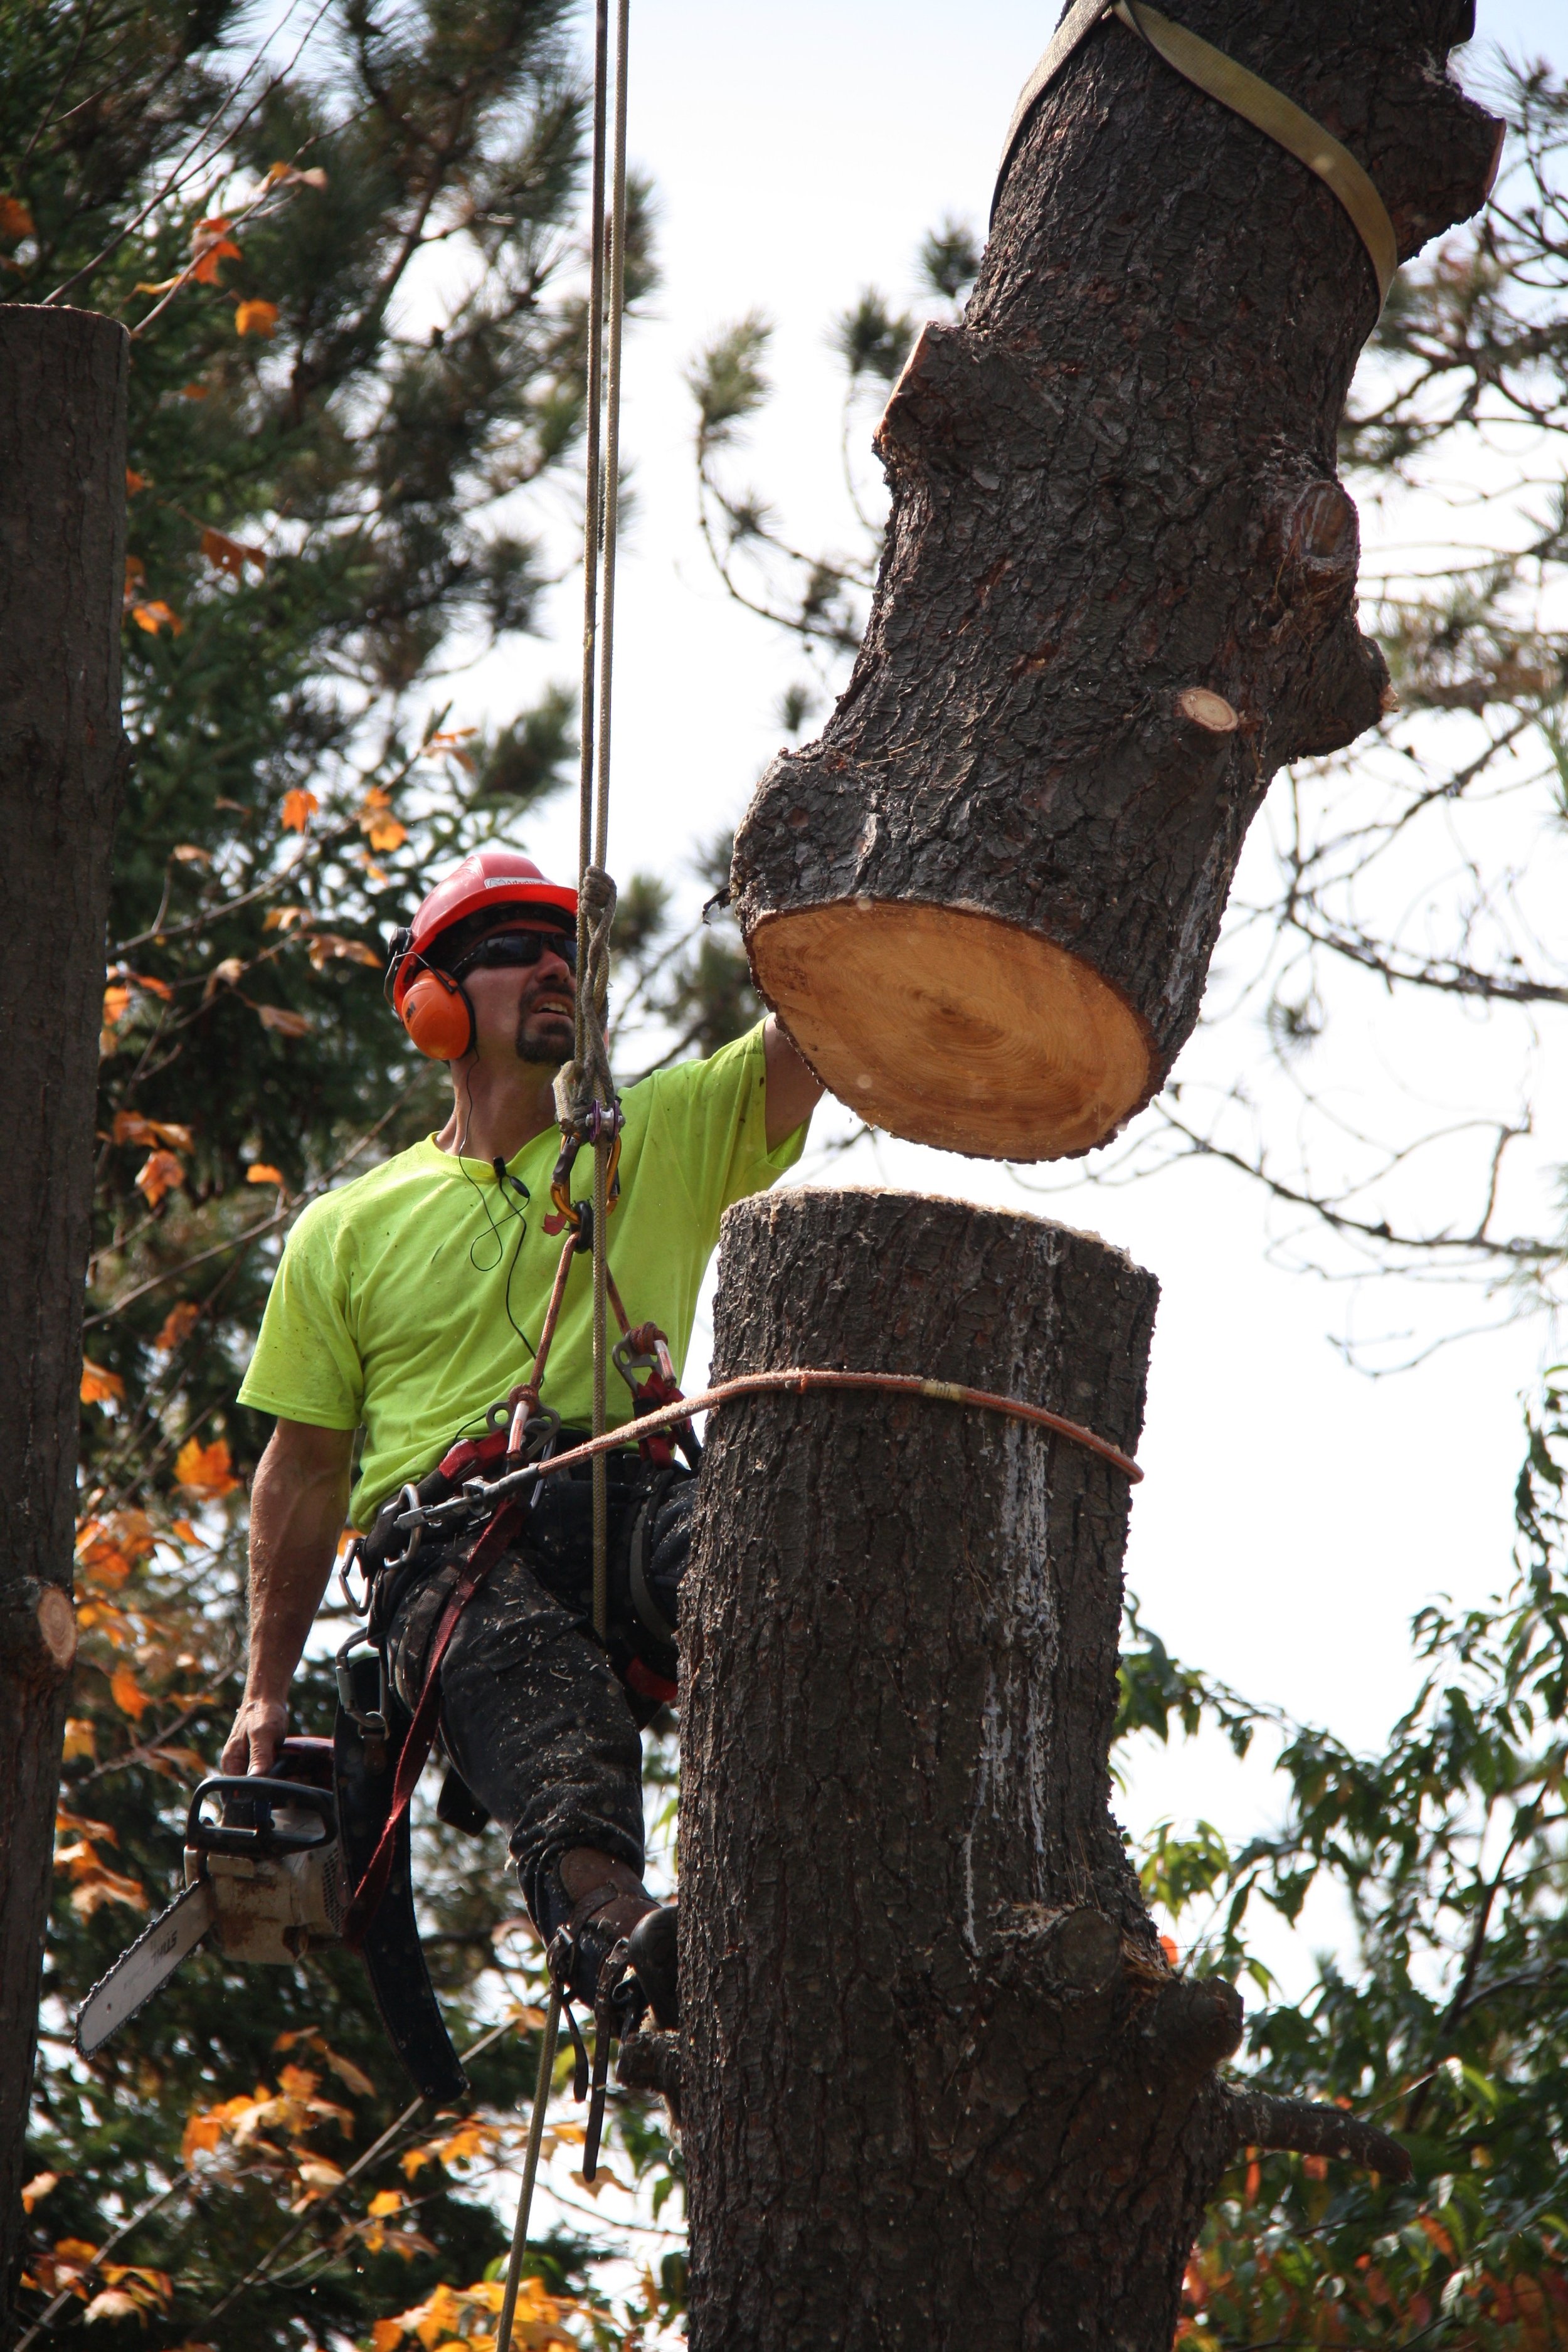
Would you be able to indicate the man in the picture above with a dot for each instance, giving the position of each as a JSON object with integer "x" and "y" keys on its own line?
{"x": 410, "y": 1301}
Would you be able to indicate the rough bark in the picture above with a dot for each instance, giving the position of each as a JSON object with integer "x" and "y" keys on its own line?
{"x": 938, "y": 2083}
{"x": 1119, "y": 588}
{"x": 62, "y": 555}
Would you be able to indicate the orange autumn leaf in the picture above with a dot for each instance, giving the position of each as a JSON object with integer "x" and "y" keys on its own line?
{"x": 210, "y": 246}
{"x": 128, "y": 1694}
{"x": 155, "y": 617}
{"x": 195, "y": 391}
{"x": 177, "y": 1327}
{"x": 133, "y": 482}
{"x": 279, "y": 1018}
{"x": 329, "y": 947}
{"x": 388, "y": 834}
{"x": 204, "y": 1469}
{"x": 81, "y": 1738}
{"x": 34, "y": 2192}
{"x": 298, "y": 807}
{"x": 16, "y": 220}
{"x": 256, "y": 318}
{"x": 130, "y": 1126}
{"x": 231, "y": 555}
{"x": 160, "y": 1174}
{"x": 185, "y": 1531}
{"x": 260, "y": 1172}
{"x": 386, "y": 2335}
{"x": 116, "y": 1002}
{"x": 1169, "y": 1947}
{"x": 99, "y": 1386}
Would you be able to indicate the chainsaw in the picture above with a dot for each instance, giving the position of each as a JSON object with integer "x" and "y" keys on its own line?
{"x": 270, "y": 1863}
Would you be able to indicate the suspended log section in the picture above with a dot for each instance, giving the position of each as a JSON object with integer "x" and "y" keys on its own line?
{"x": 940, "y": 2084}
{"x": 1119, "y": 586}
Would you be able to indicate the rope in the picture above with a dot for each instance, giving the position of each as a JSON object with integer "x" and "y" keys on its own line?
{"x": 584, "y": 1091}
{"x": 1256, "y": 101}
{"x": 799, "y": 1381}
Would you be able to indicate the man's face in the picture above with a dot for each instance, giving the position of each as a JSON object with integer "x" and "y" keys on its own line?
{"x": 524, "y": 1012}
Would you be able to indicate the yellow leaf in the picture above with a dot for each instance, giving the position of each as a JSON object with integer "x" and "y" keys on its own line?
{"x": 256, "y": 318}
{"x": 415, "y": 2158}
{"x": 260, "y": 1172}
{"x": 204, "y": 1469}
{"x": 159, "y": 285}
{"x": 385, "y": 2201}
{"x": 80, "y": 1740}
{"x": 285, "y": 1023}
{"x": 128, "y": 1694}
{"x": 283, "y": 919}
{"x": 387, "y": 834}
{"x": 16, "y": 220}
{"x": 298, "y": 807}
{"x": 98, "y": 1386}
{"x": 34, "y": 2192}
{"x": 160, "y": 1174}
{"x": 177, "y": 1325}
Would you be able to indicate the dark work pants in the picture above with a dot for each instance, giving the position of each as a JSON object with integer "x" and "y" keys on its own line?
{"x": 532, "y": 1713}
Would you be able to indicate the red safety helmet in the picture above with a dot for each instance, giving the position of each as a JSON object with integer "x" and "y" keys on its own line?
{"x": 433, "y": 1007}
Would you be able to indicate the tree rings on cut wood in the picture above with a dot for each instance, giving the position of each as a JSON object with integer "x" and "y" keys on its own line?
{"x": 1207, "y": 710}
{"x": 56, "y": 1626}
{"x": 941, "y": 1022}
{"x": 1118, "y": 589}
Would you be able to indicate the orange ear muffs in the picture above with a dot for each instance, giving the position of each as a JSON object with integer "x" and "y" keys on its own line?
{"x": 438, "y": 1016}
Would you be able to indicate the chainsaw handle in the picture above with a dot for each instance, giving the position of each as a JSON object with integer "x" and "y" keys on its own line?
{"x": 261, "y": 1837}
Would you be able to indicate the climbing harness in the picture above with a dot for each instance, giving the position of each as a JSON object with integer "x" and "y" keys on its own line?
{"x": 1255, "y": 101}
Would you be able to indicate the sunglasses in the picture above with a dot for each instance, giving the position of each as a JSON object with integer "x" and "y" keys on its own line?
{"x": 504, "y": 949}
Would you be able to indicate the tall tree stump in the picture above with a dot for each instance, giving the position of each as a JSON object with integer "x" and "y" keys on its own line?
{"x": 1118, "y": 587}
{"x": 941, "y": 2087}
{"x": 62, "y": 561}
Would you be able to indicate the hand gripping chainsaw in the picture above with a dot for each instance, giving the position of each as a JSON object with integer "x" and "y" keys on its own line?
{"x": 270, "y": 1863}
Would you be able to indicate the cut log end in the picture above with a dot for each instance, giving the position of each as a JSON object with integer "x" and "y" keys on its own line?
{"x": 57, "y": 1627}
{"x": 953, "y": 1028}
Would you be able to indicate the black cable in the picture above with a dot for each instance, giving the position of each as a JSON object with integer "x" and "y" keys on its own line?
{"x": 511, "y": 1210}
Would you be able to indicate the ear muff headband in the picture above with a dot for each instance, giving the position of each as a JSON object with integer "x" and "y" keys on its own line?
{"x": 438, "y": 1016}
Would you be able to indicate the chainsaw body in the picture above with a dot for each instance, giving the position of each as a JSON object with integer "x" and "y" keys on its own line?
{"x": 272, "y": 1858}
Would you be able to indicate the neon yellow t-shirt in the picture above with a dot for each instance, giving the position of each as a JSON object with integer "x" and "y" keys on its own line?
{"x": 390, "y": 1308}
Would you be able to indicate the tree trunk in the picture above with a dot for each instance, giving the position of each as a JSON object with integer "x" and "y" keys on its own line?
{"x": 941, "y": 2087}
{"x": 62, "y": 557}
{"x": 1119, "y": 588}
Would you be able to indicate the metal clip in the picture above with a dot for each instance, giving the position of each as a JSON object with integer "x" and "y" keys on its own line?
{"x": 411, "y": 1516}
{"x": 374, "y": 1726}
{"x": 354, "y": 1557}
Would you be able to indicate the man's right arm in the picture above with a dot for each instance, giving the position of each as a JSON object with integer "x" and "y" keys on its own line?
{"x": 299, "y": 1502}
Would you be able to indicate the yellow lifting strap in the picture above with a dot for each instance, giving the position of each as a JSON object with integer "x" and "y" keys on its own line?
{"x": 1256, "y": 101}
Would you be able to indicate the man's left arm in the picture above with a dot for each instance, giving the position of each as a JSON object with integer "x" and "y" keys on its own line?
{"x": 792, "y": 1090}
